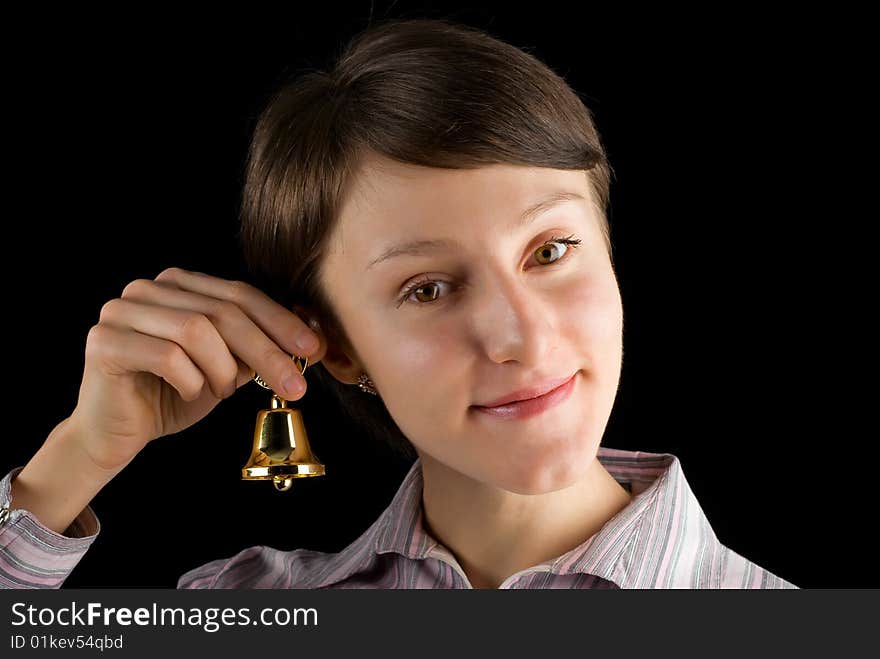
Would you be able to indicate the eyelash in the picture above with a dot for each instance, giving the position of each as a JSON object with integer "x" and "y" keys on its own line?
{"x": 570, "y": 241}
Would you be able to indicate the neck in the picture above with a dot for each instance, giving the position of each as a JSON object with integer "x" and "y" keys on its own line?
{"x": 494, "y": 533}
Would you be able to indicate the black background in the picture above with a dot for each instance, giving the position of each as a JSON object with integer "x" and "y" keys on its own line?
{"x": 734, "y": 228}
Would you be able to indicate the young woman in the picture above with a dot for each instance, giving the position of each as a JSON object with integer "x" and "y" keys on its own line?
{"x": 428, "y": 220}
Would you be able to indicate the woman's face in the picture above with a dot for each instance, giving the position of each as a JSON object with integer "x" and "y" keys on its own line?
{"x": 491, "y": 312}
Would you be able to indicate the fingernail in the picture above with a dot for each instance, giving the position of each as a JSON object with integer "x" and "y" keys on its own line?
{"x": 307, "y": 342}
{"x": 293, "y": 385}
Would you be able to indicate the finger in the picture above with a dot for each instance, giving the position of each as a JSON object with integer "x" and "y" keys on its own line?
{"x": 282, "y": 325}
{"x": 242, "y": 336}
{"x": 191, "y": 330}
{"x": 119, "y": 351}
{"x": 245, "y": 373}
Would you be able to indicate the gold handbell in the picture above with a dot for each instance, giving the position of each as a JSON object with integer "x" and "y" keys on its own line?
{"x": 281, "y": 446}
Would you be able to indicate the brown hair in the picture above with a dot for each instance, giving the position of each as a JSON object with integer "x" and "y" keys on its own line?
{"x": 426, "y": 92}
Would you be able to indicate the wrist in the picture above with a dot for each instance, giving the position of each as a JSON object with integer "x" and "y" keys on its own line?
{"x": 60, "y": 480}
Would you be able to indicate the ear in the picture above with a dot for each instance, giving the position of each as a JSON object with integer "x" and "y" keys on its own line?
{"x": 344, "y": 367}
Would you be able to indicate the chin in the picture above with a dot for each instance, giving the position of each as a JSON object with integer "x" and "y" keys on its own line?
{"x": 547, "y": 469}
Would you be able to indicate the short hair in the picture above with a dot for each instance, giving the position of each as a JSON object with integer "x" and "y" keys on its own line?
{"x": 427, "y": 92}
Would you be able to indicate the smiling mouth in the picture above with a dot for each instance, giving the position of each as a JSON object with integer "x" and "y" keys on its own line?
{"x": 528, "y": 395}
{"x": 531, "y": 407}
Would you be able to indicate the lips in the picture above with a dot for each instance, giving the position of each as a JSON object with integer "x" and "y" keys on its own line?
{"x": 530, "y": 392}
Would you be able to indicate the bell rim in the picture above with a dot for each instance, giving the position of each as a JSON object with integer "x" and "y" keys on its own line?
{"x": 270, "y": 472}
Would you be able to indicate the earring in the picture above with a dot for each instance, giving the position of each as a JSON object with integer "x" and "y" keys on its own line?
{"x": 367, "y": 385}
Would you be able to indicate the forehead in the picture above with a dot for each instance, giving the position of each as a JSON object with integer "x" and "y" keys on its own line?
{"x": 387, "y": 199}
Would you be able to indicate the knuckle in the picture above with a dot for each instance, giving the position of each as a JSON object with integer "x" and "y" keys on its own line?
{"x": 239, "y": 290}
{"x": 195, "y": 327}
{"x": 169, "y": 273}
{"x": 108, "y": 310}
{"x": 96, "y": 336}
{"x": 223, "y": 310}
{"x": 136, "y": 286}
{"x": 170, "y": 355}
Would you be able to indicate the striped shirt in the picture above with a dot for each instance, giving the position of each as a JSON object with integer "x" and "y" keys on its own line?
{"x": 661, "y": 539}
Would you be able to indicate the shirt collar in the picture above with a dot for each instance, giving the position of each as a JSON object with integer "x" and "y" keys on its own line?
{"x": 650, "y": 534}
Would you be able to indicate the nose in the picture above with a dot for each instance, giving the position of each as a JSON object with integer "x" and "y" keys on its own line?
{"x": 516, "y": 318}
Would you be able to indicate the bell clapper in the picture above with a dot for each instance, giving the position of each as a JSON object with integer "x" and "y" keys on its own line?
{"x": 282, "y": 484}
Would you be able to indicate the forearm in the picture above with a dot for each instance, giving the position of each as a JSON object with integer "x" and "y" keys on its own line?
{"x": 59, "y": 481}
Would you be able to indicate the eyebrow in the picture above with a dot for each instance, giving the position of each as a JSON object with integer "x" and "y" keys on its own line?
{"x": 418, "y": 247}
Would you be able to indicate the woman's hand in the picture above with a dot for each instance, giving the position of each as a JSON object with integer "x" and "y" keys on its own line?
{"x": 165, "y": 353}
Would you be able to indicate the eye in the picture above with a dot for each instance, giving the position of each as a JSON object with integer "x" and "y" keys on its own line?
{"x": 546, "y": 252}
{"x": 429, "y": 287}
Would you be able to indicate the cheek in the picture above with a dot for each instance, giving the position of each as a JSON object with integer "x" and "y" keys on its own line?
{"x": 423, "y": 385}
{"x": 417, "y": 366}
{"x": 594, "y": 318}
